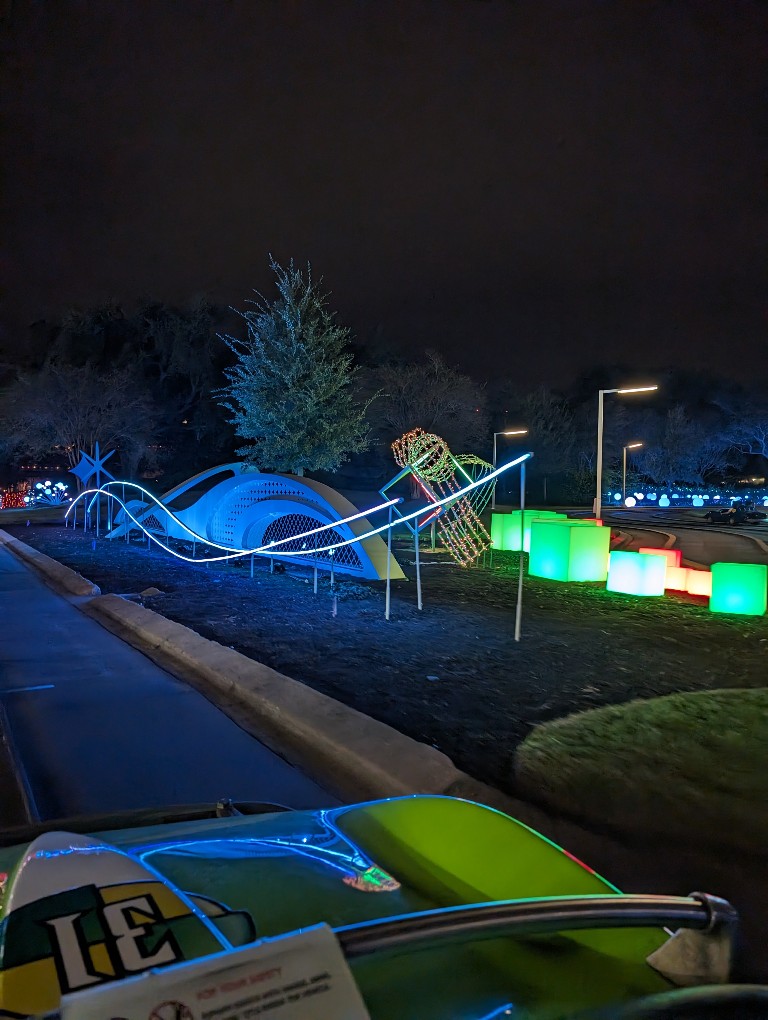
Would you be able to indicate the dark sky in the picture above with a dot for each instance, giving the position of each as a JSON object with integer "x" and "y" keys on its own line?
{"x": 530, "y": 187}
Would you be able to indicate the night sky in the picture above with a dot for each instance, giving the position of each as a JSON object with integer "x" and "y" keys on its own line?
{"x": 530, "y": 187}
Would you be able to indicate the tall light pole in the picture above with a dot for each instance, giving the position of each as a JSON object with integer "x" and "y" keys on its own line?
{"x": 509, "y": 432}
{"x": 600, "y": 394}
{"x": 629, "y": 446}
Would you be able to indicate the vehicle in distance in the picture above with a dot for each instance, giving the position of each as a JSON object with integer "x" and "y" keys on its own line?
{"x": 740, "y": 513}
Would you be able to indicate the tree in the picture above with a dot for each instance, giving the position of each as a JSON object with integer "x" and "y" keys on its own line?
{"x": 68, "y": 409}
{"x": 433, "y": 396}
{"x": 681, "y": 452}
{"x": 289, "y": 394}
{"x": 747, "y": 427}
{"x": 550, "y": 426}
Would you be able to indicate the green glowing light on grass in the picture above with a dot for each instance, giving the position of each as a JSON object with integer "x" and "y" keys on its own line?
{"x": 564, "y": 550}
{"x": 505, "y": 528}
{"x": 739, "y": 588}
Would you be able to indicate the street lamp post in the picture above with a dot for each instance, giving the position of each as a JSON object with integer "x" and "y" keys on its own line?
{"x": 600, "y": 394}
{"x": 510, "y": 432}
{"x": 629, "y": 446}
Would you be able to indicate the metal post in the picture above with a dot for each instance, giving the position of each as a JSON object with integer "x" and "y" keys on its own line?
{"x": 493, "y": 493}
{"x": 599, "y": 494}
{"x": 314, "y": 559}
{"x": 251, "y": 565}
{"x": 433, "y": 532}
{"x": 98, "y": 515}
{"x": 389, "y": 556}
{"x": 418, "y": 568}
{"x": 519, "y": 607}
{"x": 332, "y": 578}
{"x": 623, "y": 475}
{"x": 194, "y": 541}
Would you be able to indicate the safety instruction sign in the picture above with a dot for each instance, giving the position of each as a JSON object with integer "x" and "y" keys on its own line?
{"x": 301, "y": 976}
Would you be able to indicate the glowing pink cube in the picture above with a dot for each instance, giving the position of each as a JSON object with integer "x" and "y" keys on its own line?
{"x": 674, "y": 556}
{"x": 700, "y": 582}
{"x": 677, "y": 579}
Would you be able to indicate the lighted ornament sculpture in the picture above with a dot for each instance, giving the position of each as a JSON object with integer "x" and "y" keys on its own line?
{"x": 739, "y": 588}
{"x": 53, "y": 493}
{"x": 439, "y": 475}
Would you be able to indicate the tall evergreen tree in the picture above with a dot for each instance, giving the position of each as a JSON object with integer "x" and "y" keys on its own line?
{"x": 289, "y": 392}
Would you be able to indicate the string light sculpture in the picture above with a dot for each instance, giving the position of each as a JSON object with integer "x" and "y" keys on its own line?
{"x": 441, "y": 476}
{"x": 13, "y": 499}
{"x": 477, "y": 468}
{"x": 51, "y": 493}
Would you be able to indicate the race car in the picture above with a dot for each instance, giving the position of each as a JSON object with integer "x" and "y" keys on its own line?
{"x": 421, "y": 907}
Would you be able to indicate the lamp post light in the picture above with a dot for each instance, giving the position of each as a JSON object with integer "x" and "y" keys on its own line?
{"x": 509, "y": 432}
{"x": 629, "y": 446}
{"x": 600, "y": 395}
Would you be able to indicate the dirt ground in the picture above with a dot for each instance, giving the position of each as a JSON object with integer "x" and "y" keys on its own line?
{"x": 451, "y": 675}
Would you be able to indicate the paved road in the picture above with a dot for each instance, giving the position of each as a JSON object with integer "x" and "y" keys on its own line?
{"x": 699, "y": 541}
{"x": 99, "y": 727}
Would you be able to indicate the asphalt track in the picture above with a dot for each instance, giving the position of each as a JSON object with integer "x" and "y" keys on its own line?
{"x": 96, "y": 727}
{"x": 700, "y": 542}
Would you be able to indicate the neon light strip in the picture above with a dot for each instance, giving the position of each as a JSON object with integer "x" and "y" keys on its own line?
{"x": 216, "y": 545}
{"x": 270, "y": 549}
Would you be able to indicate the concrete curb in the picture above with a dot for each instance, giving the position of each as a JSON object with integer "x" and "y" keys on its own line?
{"x": 350, "y": 753}
{"x": 355, "y": 754}
{"x": 60, "y": 577}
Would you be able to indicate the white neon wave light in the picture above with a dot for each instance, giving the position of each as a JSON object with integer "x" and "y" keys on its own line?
{"x": 273, "y": 547}
{"x": 217, "y": 545}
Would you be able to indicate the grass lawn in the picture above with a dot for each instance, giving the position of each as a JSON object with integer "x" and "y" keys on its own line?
{"x": 689, "y": 766}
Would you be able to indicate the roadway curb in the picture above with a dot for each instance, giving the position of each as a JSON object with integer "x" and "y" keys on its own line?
{"x": 357, "y": 755}
{"x": 353, "y": 755}
{"x": 59, "y": 577}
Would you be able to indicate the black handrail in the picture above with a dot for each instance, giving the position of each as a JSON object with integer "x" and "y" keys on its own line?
{"x": 538, "y": 917}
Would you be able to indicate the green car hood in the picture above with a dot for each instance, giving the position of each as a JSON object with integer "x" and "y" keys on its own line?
{"x": 226, "y": 882}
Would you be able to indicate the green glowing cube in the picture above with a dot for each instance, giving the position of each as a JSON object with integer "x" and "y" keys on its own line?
{"x": 502, "y": 535}
{"x": 739, "y": 588}
{"x": 637, "y": 573}
{"x": 505, "y": 528}
{"x": 529, "y": 517}
{"x": 564, "y": 550}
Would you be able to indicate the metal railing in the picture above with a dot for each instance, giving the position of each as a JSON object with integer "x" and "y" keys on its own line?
{"x": 520, "y": 918}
